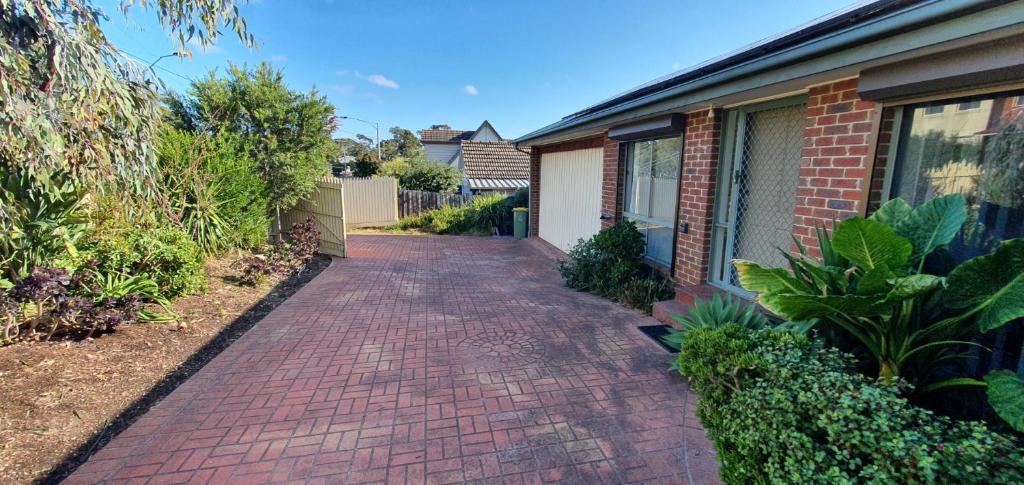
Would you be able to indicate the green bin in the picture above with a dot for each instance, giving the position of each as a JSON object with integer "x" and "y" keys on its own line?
{"x": 519, "y": 217}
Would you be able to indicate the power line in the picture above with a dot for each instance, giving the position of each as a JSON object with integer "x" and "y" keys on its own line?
{"x": 152, "y": 64}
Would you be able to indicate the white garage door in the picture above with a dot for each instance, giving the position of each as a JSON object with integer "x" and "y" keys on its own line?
{"x": 570, "y": 196}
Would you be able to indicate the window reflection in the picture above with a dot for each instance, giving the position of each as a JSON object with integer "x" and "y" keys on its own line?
{"x": 973, "y": 147}
{"x": 652, "y": 176}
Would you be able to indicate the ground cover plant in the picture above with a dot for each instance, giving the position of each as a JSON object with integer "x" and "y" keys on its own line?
{"x": 785, "y": 408}
{"x": 610, "y": 264}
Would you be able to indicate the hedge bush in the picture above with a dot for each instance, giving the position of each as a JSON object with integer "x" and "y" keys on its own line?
{"x": 782, "y": 408}
{"x": 610, "y": 264}
{"x": 477, "y": 217}
{"x": 165, "y": 254}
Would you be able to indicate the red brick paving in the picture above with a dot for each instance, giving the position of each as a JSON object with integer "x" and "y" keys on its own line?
{"x": 426, "y": 359}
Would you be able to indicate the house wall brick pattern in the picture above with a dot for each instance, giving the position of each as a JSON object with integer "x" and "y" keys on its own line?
{"x": 611, "y": 184}
{"x": 835, "y": 158}
{"x": 696, "y": 195}
{"x": 882, "y": 162}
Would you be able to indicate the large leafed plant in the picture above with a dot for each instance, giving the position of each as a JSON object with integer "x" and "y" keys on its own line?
{"x": 871, "y": 287}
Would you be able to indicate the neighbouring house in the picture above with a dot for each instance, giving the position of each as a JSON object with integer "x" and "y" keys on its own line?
{"x": 490, "y": 167}
{"x": 489, "y": 163}
{"x": 738, "y": 156}
{"x": 441, "y": 142}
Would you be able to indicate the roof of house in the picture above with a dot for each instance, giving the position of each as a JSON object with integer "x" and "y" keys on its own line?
{"x": 495, "y": 160}
{"x": 431, "y": 135}
{"x": 845, "y": 28}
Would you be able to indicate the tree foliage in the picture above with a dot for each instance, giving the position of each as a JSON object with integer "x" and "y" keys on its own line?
{"x": 286, "y": 133}
{"x": 70, "y": 101}
{"x": 416, "y": 173}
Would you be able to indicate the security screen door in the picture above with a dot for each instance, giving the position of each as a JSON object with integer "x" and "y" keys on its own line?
{"x": 760, "y": 173}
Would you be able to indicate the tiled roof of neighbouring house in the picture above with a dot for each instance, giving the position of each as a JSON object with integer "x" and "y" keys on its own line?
{"x": 494, "y": 160}
{"x": 444, "y": 135}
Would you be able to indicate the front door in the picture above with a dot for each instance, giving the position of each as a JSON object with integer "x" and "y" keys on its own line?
{"x": 760, "y": 174}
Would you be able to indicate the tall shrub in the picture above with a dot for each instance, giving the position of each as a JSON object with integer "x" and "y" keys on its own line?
{"x": 287, "y": 134}
{"x": 71, "y": 102}
{"x": 214, "y": 189}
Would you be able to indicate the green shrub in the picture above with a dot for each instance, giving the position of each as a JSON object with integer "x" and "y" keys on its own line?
{"x": 213, "y": 189}
{"x": 610, "y": 264}
{"x": 477, "y": 217}
{"x": 782, "y": 408}
{"x": 605, "y": 263}
{"x": 40, "y": 221}
{"x": 165, "y": 254}
{"x": 416, "y": 173}
{"x": 643, "y": 292}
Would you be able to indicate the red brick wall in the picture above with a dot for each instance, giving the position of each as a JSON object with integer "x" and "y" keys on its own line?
{"x": 535, "y": 154}
{"x": 835, "y": 158}
{"x": 696, "y": 195}
{"x": 882, "y": 161}
{"x": 611, "y": 184}
{"x": 534, "y": 222}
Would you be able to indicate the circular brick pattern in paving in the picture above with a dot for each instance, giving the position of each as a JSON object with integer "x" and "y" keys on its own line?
{"x": 501, "y": 348}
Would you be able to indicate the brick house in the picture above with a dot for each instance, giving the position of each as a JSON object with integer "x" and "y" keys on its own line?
{"x": 737, "y": 156}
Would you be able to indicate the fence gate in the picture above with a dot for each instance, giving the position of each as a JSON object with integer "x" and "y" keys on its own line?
{"x": 412, "y": 202}
{"x": 371, "y": 201}
{"x": 327, "y": 205}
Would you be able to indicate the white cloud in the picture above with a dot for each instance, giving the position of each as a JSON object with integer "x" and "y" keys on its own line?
{"x": 278, "y": 58}
{"x": 206, "y": 49}
{"x": 676, "y": 67}
{"x": 471, "y": 90}
{"x": 382, "y": 81}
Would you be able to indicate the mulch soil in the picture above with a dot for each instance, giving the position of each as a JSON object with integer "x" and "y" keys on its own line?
{"x": 62, "y": 401}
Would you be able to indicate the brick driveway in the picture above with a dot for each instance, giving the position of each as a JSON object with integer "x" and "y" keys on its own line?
{"x": 430, "y": 359}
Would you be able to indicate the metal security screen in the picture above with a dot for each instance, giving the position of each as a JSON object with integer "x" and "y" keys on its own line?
{"x": 755, "y": 216}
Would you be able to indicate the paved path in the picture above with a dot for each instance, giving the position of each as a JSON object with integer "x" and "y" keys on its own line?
{"x": 426, "y": 359}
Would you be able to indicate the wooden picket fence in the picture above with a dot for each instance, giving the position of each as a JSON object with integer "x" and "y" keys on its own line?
{"x": 327, "y": 205}
{"x": 412, "y": 202}
{"x": 371, "y": 201}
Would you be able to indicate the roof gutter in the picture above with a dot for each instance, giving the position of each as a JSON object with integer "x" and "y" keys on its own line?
{"x": 885, "y": 20}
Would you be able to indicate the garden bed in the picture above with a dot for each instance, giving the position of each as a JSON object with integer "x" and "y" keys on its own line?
{"x": 64, "y": 400}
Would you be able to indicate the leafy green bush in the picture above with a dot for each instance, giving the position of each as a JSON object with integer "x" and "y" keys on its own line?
{"x": 643, "y": 292}
{"x": 605, "y": 263}
{"x": 213, "y": 189}
{"x": 782, "y": 408}
{"x": 714, "y": 313}
{"x": 610, "y": 264}
{"x": 40, "y": 221}
{"x": 165, "y": 254}
{"x": 477, "y": 217}
{"x": 871, "y": 285}
{"x": 417, "y": 173}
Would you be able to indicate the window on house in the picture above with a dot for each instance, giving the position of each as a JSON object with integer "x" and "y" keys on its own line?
{"x": 652, "y": 184}
{"x": 969, "y": 105}
{"x": 976, "y": 150}
{"x": 934, "y": 110}
{"x": 978, "y": 153}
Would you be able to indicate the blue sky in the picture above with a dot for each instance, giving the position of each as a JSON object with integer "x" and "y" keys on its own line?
{"x": 520, "y": 64}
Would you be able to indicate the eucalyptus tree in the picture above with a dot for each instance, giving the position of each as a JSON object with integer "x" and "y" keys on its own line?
{"x": 72, "y": 102}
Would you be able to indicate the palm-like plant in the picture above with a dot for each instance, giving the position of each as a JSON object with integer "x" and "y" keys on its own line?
{"x": 871, "y": 285}
{"x": 39, "y": 220}
{"x": 714, "y": 313}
